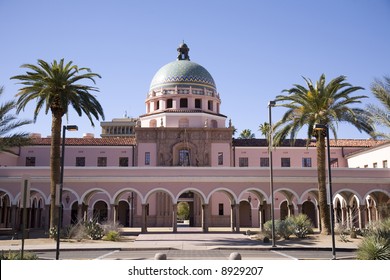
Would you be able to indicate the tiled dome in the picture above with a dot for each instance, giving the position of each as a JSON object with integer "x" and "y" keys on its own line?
{"x": 182, "y": 72}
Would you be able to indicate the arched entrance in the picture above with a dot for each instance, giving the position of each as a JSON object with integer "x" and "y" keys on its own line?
{"x": 124, "y": 213}
{"x": 73, "y": 214}
{"x": 100, "y": 211}
{"x": 245, "y": 214}
{"x": 309, "y": 209}
{"x": 192, "y": 200}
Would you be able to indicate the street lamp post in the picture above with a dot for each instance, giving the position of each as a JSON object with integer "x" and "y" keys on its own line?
{"x": 323, "y": 127}
{"x": 60, "y": 207}
{"x": 271, "y": 173}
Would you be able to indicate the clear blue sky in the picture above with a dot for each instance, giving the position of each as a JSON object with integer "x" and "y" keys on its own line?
{"x": 253, "y": 49}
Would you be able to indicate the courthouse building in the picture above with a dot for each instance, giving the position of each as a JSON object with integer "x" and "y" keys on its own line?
{"x": 182, "y": 150}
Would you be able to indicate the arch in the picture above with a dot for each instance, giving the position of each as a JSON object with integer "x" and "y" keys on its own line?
{"x": 149, "y": 193}
{"x": 184, "y": 145}
{"x": 308, "y": 193}
{"x": 86, "y": 197}
{"x": 245, "y": 213}
{"x": 259, "y": 193}
{"x": 376, "y": 190}
{"x": 310, "y": 210}
{"x": 153, "y": 123}
{"x": 75, "y": 194}
{"x": 288, "y": 193}
{"x": 194, "y": 190}
{"x": 346, "y": 194}
{"x": 232, "y": 196}
{"x": 4, "y": 193}
{"x": 116, "y": 196}
{"x": 100, "y": 211}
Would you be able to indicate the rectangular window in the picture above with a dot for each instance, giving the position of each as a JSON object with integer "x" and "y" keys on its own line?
{"x": 306, "y": 162}
{"x": 220, "y": 158}
{"x": 365, "y": 166}
{"x": 375, "y": 165}
{"x": 184, "y": 157}
{"x": 169, "y": 103}
{"x": 80, "y": 161}
{"x": 243, "y": 162}
{"x": 123, "y": 161}
{"x": 334, "y": 162}
{"x": 147, "y": 158}
{"x": 102, "y": 161}
{"x": 30, "y": 161}
{"x": 198, "y": 103}
{"x": 285, "y": 162}
{"x": 183, "y": 103}
{"x": 264, "y": 162}
{"x": 384, "y": 164}
{"x": 210, "y": 105}
{"x": 157, "y": 105}
{"x": 220, "y": 209}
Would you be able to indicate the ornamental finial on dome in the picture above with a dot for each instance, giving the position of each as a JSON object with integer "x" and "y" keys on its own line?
{"x": 183, "y": 50}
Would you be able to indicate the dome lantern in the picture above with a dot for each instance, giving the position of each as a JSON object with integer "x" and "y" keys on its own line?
{"x": 183, "y": 50}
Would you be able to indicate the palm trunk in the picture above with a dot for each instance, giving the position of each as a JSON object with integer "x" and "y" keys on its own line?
{"x": 322, "y": 190}
{"x": 55, "y": 159}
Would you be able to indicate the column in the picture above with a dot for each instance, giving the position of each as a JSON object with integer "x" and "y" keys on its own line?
{"x": 205, "y": 217}
{"x": 113, "y": 212}
{"x": 174, "y": 217}
{"x": 299, "y": 208}
{"x": 318, "y": 218}
{"x": 79, "y": 212}
{"x": 237, "y": 212}
{"x": 143, "y": 219}
{"x": 362, "y": 216}
{"x": 261, "y": 217}
{"x": 290, "y": 208}
{"x": 13, "y": 216}
{"x": 46, "y": 216}
{"x": 232, "y": 217}
{"x": 343, "y": 215}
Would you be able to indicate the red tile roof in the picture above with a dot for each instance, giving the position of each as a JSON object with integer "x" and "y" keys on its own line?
{"x": 129, "y": 141}
{"x": 362, "y": 143}
{"x": 107, "y": 141}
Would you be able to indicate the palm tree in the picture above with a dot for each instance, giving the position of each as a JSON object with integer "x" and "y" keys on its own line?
{"x": 381, "y": 116}
{"x": 246, "y": 134}
{"x": 264, "y": 128}
{"x": 9, "y": 122}
{"x": 321, "y": 104}
{"x": 54, "y": 87}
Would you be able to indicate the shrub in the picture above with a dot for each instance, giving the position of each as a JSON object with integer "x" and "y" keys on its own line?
{"x": 376, "y": 243}
{"x": 77, "y": 231}
{"x": 112, "y": 236}
{"x": 284, "y": 228}
{"x": 94, "y": 230}
{"x": 267, "y": 229}
{"x": 17, "y": 255}
{"x": 301, "y": 225}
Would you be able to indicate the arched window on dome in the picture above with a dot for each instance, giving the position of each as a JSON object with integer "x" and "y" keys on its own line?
{"x": 184, "y": 122}
{"x": 152, "y": 123}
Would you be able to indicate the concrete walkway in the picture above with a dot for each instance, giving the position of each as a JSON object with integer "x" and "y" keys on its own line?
{"x": 181, "y": 241}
